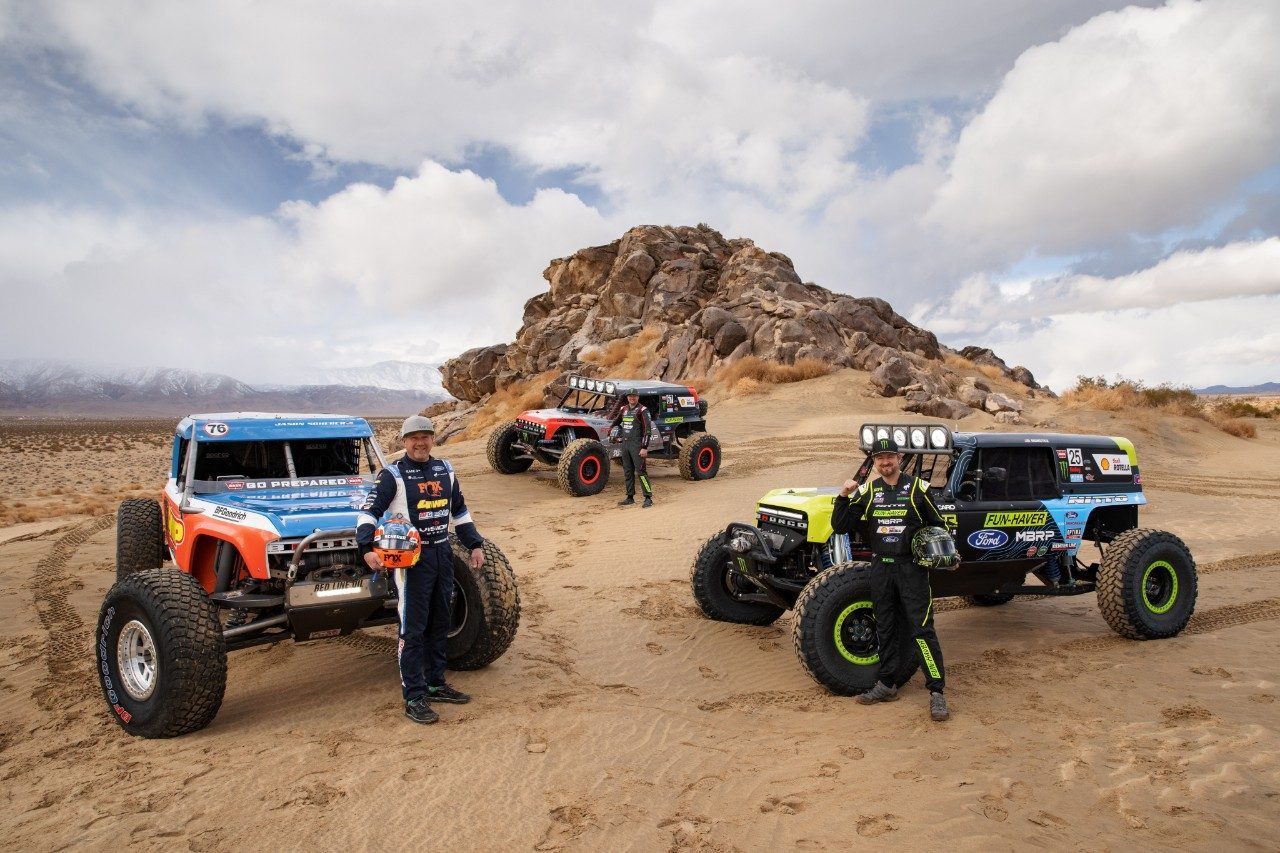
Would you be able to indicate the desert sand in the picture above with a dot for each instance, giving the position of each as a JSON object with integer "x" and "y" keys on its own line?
{"x": 621, "y": 719}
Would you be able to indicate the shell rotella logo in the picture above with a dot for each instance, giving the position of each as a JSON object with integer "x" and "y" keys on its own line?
{"x": 1105, "y": 463}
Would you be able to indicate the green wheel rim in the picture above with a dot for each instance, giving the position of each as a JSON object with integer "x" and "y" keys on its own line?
{"x": 1159, "y": 587}
{"x": 839, "y": 633}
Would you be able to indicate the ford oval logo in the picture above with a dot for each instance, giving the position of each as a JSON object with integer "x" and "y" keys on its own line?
{"x": 988, "y": 539}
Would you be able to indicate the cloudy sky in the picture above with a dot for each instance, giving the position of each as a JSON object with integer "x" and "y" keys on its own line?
{"x": 257, "y": 188}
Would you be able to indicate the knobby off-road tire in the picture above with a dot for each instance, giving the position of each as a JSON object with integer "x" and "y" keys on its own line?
{"x": 486, "y": 608}
{"x": 834, "y": 632}
{"x": 1147, "y": 585}
{"x": 139, "y": 536}
{"x": 700, "y": 458}
{"x": 583, "y": 468}
{"x": 162, "y": 662}
{"x": 500, "y": 453}
{"x": 715, "y": 587}
{"x": 992, "y": 599}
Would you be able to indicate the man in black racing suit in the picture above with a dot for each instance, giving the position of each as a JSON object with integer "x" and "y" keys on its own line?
{"x": 425, "y": 490}
{"x": 635, "y": 429}
{"x": 887, "y": 512}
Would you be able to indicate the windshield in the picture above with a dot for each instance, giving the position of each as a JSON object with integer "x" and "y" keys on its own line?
{"x": 232, "y": 465}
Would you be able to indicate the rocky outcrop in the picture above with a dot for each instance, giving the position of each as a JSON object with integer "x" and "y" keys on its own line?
{"x": 703, "y": 301}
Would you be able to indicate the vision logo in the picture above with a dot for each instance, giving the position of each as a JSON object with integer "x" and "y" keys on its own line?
{"x": 988, "y": 539}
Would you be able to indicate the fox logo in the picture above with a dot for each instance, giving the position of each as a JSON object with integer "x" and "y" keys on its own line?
{"x": 432, "y": 488}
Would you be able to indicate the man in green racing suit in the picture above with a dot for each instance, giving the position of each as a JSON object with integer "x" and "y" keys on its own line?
{"x": 887, "y": 512}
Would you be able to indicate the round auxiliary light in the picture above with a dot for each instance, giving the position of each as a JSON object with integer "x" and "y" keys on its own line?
{"x": 938, "y": 437}
{"x": 868, "y": 436}
{"x": 917, "y": 437}
{"x": 882, "y": 432}
{"x": 900, "y": 436}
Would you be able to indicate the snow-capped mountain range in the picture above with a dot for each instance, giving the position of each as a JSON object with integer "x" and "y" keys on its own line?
{"x": 37, "y": 386}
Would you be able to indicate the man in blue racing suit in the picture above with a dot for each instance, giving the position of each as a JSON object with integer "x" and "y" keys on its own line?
{"x": 425, "y": 490}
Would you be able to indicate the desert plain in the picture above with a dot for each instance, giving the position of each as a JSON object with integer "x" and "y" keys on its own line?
{"x": 621, "y": 719}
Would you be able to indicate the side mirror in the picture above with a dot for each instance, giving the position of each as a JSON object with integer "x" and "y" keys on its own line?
{"x": 996, "y": 475}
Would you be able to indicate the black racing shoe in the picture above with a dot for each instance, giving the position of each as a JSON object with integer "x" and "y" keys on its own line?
{"x": 445, "y": 693}
{"x": 880, "y": 692}
{"x": 648, "y": 502}
{"x": 628, "y": 501}
{"x": 938, "y": 707}
{"x": 419, "y": 711}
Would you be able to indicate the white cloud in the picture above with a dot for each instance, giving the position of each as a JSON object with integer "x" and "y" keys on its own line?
{"x": 1196, "y": 345}
{"x": 1193, "y": 318}
{"x": 1137, "y": 121}
{"x": 747, "y": 117}
{"x": 436, "y": 264}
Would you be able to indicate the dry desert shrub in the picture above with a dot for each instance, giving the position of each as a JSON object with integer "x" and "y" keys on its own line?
{"x": 1245, "y": 408}
{"x": 1096, "y": 392}
{"x": 54, "y": 467}
{"x": 1233, "y": 426}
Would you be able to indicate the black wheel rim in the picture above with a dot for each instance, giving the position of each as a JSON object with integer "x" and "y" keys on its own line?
{"x": 457, "y": 612}
{"x": 855, "y": 634}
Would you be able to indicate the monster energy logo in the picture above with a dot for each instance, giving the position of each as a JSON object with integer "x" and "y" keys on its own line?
{"x": 1016, "y": 519}
{"x": 928, "y": 658}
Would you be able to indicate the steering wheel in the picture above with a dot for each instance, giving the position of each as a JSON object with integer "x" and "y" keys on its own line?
{"x": 968, "y": 491}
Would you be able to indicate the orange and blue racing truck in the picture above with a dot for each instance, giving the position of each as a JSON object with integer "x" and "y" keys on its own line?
{"x": 251, "y": 541}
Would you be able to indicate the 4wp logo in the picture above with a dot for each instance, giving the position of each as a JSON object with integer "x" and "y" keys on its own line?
{"x": 431, "y": 488}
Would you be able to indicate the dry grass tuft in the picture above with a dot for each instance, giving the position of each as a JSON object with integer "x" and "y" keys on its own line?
{"x": 505, "y": 403}
{"x": 629, "y": 358}
{"x": 960, "y": 363}
{"x": 750, "y": 375}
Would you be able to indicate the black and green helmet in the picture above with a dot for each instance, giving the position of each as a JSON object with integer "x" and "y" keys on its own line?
{"x": 933, "y": 548}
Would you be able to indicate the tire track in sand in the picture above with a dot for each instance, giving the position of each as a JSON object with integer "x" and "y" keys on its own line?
{"x": 1004, "y": 661}
{"x": 1230, "y": 564}
{"x": 66, "y": 646}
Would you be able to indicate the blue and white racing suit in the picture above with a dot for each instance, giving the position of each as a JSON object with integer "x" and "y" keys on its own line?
{"x": 426, "y": 493}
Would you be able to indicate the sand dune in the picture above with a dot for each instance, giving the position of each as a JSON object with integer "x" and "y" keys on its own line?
{"x": 622, "y": 719}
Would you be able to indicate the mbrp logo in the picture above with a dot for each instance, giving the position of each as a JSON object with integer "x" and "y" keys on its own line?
{"x": 988, "y": 539}
{"x": 1035, "y": 536}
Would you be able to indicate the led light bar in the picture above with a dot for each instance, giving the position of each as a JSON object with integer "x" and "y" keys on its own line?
{"x": 910, "y": 438}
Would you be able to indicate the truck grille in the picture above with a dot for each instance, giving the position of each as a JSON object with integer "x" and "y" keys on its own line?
{"x": 782, "y": 518}
{"x": 530, "y": 430}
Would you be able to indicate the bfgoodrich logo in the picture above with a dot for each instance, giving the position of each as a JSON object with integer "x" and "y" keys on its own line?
{"x": 988, "y": 539}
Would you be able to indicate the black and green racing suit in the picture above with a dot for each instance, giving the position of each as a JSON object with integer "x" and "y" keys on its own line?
{"x": 887, "y": 517}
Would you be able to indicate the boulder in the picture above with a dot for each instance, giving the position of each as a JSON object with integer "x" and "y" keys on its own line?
{"x": 728, "y": 337}
{"x": 972, "y": 397}
{"x": 696, "y": 301}
{"x": 473, "y": 374}
{"x": 891, "y": 377}
{"x": 996, "y": 402}
{"x": 940, "y": 407}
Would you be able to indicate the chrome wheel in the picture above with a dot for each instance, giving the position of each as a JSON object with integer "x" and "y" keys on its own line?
{"x": 136, "y": 659}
